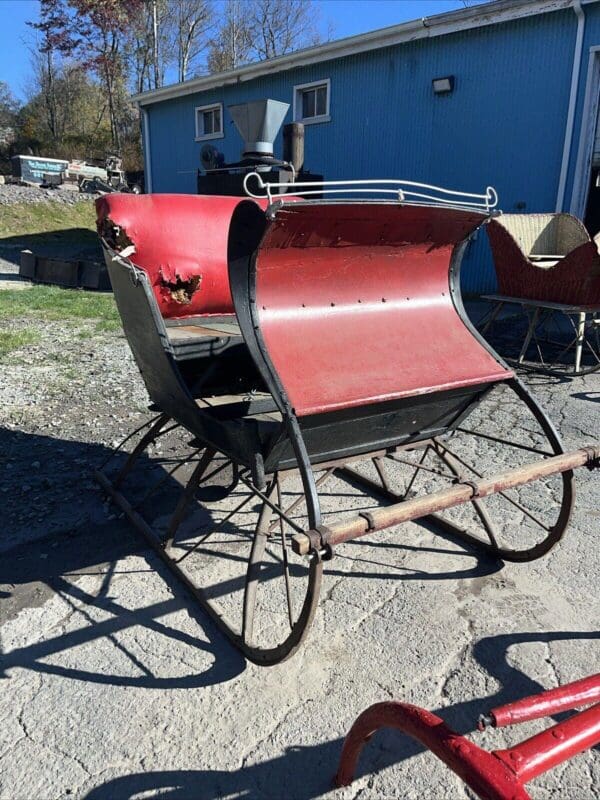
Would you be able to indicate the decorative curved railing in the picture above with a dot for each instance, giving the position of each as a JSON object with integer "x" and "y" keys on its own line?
{"x": 403, "y": 191}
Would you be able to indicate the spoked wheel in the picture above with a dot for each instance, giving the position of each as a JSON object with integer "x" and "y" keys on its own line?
{"x": 514, "y": 525}
{"x": 282, "y": 590}
{"x": 230, "y": 542}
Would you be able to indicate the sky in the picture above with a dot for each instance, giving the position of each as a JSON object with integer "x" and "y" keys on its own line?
{"x": 346, "y": 17}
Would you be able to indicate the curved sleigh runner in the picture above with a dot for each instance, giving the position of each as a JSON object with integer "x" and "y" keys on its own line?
{"x": 322, "y": 382}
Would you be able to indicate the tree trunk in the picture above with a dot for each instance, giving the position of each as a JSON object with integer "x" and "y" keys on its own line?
{"x": 51, "y": 97}
{"x": 155, "y": 45}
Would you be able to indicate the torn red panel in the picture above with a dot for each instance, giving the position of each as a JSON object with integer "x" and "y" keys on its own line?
{"x": 180, "y": 241}
{"x": 177, "y": 289}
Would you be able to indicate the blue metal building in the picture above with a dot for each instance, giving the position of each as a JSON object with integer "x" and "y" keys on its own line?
{"x": 516, "y": 108}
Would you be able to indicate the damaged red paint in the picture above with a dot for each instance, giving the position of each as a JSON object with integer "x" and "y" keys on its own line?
{"x": 180, "y": 290}
{"x": 115, "y": 235}
{"x": 168, "y": 232}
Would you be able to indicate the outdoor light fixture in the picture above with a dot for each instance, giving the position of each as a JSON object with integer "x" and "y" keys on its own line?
{"x": 443, "y": 85}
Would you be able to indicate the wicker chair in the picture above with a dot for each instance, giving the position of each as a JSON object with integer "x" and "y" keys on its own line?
{"x": 545, "y": 257}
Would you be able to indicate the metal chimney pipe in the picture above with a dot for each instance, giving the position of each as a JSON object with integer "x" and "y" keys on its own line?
{"x": 293, "y": 145}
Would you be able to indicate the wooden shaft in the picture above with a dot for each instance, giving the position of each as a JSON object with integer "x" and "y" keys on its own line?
{"x": 405, "y": 511}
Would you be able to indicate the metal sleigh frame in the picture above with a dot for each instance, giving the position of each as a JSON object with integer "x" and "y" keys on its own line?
{"x": 500, "y": 774}
{"x": 266, "y": 437}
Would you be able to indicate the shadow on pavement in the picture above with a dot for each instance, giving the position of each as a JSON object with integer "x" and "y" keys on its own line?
{"x": 87, "y": 543}
{"x": 592, "y": 397}
{"x": 306, "y": 772}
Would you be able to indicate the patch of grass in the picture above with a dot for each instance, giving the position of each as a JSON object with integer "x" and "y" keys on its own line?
{"x": 58, "y": 220}
{"x": 108, "y": 325}
{"x": 54, "y": 303}
{"x": 13, "y": 340}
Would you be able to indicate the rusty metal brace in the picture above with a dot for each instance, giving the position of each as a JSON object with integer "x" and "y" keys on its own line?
{"x": 319, "y": 543}
{"x": 370, "y": 520}
{"x": 473, "y": 486}
{"x": 593, "y": 454}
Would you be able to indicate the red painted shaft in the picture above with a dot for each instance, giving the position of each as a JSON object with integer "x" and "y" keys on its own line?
{"x": 490, "y": 777}
{"x": 572, "y": 695}
{"x": 553, "y": 746}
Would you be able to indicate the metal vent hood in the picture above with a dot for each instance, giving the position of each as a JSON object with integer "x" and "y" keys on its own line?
{"x": 258, "y": 123}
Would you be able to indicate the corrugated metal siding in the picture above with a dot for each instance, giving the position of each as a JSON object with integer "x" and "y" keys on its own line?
{"x": 503, "y": 125}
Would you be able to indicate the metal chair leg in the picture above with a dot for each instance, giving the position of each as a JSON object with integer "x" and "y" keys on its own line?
{"x": 530, "y": 330}
{"x": 580, "y": 340}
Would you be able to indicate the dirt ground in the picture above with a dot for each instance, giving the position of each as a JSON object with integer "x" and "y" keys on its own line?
{"x": 115, "y": 685}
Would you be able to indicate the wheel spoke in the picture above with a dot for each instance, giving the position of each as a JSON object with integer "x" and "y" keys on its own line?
{"x": 254, "y": 567}
{"x": 299, "y": 500}
{"x": 264, "y": 497}
{"x": 415, "y": 473}
{"x": 286, "y": 568}
{"x": 509, "y": 499}
{"x": 218, "y": 528}
{"x": 504, "y": 441}
{"x": 168, "y": 474}
{"x": 433, "y": 470}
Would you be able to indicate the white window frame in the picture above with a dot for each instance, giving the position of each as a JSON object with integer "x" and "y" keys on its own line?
{"x": 298, "y": 91}
{"x": 203, "y": 137}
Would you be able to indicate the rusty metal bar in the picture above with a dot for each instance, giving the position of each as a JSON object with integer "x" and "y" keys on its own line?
{"x": 406, "y": 511}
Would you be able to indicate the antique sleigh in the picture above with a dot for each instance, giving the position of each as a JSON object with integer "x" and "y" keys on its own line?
{"x": 315, "y": 358}
{"x": 548, "y": 268}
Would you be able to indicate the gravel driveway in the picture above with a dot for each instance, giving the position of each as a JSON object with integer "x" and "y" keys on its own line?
{"x": 114, "y": 685}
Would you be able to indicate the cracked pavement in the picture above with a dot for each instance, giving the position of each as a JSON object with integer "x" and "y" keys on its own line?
{"x": 116, "y": 685}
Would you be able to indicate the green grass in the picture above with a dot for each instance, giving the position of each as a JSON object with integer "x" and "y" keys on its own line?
{"x": 13, "y": 340}
{"x": 60, "y": 221}
{"x": 53, "y": 303}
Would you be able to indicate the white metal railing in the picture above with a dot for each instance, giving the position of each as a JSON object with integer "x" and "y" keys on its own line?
{"x": 403, "y": 191}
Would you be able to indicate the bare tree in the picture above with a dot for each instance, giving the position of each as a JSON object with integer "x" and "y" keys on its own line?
{"x": 232, "y": 45}
{"x": 8, "y": 105}
{"x": 255, "y": 30}
{"x": 148, "y": 43}
{"x": 280, "y": 26}
{"x": 57, "y": 39}
{"x": 192, "y": 20}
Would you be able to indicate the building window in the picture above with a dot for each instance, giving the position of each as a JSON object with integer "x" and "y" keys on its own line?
{"x": 311, "y": 102}
{"x": 209, "y": 122}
